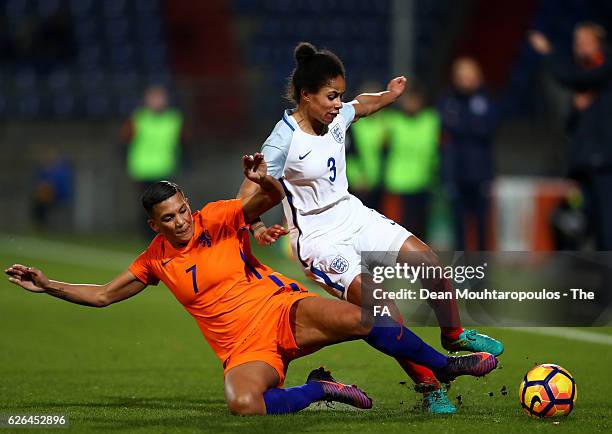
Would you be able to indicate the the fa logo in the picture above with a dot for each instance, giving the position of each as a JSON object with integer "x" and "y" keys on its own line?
{"x": 339, "y": 264}
{"x": 205, "y": 240}
{"x": 337, "y": 133}
{"x": 381, "y": 311}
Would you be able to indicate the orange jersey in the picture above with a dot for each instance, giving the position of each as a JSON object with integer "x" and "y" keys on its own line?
{"x": 215, "y": 276}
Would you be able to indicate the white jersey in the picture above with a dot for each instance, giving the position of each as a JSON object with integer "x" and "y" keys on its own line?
{"x": 312, "y": 170}
{"x": 329, "y": 227}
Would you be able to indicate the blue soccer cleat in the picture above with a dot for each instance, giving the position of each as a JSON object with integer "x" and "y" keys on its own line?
{"x": 436, "y": 402}
{"x": 338, "y": 392}
{"x": 471, "y": 340}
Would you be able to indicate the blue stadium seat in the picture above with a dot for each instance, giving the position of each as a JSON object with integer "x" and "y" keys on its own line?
{"x": 98, "y": 105}
{"x": 119, "y": 45}
{"x": 355, "y": 29}
{"x": 80, "y": 8}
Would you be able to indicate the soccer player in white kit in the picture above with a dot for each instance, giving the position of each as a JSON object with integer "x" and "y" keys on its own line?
{"x": 328, "y": 226}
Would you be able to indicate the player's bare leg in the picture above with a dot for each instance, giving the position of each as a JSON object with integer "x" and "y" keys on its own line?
{"x": 318, "y": 322}
{"x": 245, "y": 385}
{"x": 415, "y": 252}
{"x": 360, "y": 293}
{"x": 454, "y": 337}
{"x": 251, "y": 389}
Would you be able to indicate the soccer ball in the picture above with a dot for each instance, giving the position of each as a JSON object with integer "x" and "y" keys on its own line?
{"x": 548, "y": 390}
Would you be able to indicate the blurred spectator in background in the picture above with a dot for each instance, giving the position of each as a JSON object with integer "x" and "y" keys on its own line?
{"x": 412, "y": 157}
{"x": 568, "y": 222}
{"x": 365, "y": 152}
{"x": 588, "y": 74}
{"x": 469, "y": 119}
{"x": 53, "y": 188}
{"x": 153, "y": 135}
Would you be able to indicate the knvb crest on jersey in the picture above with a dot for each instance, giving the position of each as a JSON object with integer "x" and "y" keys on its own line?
{"x": 339, "y": 264}
{"x": 337, "y": 133}
{"x": 205, "y": 240}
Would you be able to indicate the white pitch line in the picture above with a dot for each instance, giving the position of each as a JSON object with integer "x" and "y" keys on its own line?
{"x": 64, "y": 253}
{"x": 567, "y": 333}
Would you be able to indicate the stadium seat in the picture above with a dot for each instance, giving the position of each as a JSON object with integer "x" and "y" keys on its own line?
{"x": 111, "y": 38}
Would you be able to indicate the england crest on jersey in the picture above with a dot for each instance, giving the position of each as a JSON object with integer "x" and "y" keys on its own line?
{"x": 337, "y": 133}
{"x": 339, "y": 264}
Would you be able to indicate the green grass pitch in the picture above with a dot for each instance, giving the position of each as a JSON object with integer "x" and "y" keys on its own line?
{"x": 143, "y": 366}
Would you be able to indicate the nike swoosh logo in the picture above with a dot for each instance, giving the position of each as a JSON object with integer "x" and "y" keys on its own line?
{"x": 301, "y": 157}
{"x": 166, "y": 262}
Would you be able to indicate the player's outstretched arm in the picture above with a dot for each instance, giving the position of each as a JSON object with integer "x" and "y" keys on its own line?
{"x": 121, "y": 287}
{"x": 269, "y": 191}
{"x": 570, "y": 74}
{"x": 367, "y": 103}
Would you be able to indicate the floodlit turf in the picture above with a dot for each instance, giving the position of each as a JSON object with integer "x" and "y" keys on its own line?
{"x": 142, "y": 366}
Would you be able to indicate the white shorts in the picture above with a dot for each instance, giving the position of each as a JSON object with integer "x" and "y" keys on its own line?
{"x": 333, "y": 257}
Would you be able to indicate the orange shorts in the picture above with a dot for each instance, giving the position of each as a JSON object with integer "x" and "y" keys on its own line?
{"x": 272, "y": 341}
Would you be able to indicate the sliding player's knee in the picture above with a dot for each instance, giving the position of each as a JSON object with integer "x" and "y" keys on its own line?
{"x": 358, "y": 321}
{"x": 245, "y": 403}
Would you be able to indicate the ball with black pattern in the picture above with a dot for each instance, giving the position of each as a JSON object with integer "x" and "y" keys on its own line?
{"x": 548, "y": 390}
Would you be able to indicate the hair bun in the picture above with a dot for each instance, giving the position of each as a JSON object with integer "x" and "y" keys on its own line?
{"x": 304, "y": 51}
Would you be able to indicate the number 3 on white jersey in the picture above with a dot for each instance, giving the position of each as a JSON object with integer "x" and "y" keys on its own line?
{"x": 331, "y": 165}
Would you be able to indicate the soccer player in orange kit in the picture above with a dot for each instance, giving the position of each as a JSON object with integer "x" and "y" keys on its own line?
{"x": 256, "y": 320}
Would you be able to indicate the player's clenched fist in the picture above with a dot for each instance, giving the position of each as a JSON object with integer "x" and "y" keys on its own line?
{"x": 28, "y": 278}
{"x": 397, "y": 86}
